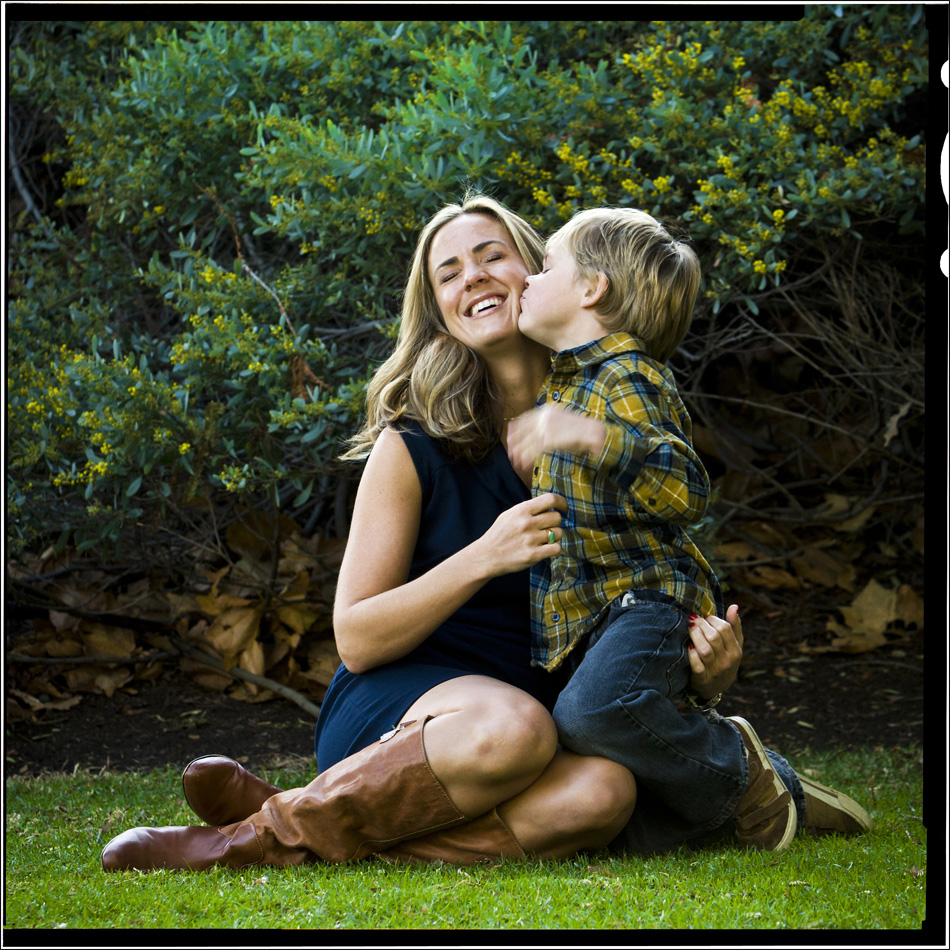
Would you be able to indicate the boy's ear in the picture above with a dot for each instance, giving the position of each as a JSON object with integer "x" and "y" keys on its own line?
{"x": 596, "y": 288}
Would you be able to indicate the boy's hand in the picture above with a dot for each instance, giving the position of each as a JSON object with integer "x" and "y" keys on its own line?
{"x": 552, "y": 429}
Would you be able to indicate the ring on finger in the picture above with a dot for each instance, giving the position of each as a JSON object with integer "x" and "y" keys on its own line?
{"x": 551, "y": 536}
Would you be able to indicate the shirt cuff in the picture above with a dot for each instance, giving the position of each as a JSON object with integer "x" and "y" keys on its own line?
{"x": 624, "y": 451}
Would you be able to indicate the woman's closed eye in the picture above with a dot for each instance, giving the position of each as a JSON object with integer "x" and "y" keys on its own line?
{"x": 446, "y": 277}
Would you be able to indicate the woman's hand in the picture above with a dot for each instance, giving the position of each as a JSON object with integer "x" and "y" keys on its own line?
{"x": 716, "y": 652}
{"x": 523, "y": 535}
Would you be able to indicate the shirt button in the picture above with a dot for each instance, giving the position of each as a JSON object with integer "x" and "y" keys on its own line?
{"x": 555, "y": 617}
{"x": 556, "y": 395}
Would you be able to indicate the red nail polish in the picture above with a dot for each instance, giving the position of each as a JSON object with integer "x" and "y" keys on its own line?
{"x": 692, "y": 647}
{"x": 692, "y": 616}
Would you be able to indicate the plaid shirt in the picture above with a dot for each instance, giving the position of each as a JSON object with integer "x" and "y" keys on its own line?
{"x": 624, "y": 528}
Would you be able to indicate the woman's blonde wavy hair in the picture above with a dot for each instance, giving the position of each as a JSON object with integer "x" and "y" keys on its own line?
{"x": 431, "y": 377}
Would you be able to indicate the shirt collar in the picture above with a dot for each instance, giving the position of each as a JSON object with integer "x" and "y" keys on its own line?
{"x": 596, "y": 351}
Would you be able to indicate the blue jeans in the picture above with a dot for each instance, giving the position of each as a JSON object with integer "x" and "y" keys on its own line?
{"x": 691, "y": 770}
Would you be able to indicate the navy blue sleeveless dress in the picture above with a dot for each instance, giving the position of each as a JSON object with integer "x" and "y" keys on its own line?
{"x": 489, "y": 635}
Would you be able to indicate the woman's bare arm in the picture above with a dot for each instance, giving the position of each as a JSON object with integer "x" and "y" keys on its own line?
{"x": 379, "y": 615}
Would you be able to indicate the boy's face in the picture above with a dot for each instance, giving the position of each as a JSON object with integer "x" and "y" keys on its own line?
{"x": 551, "y": 302}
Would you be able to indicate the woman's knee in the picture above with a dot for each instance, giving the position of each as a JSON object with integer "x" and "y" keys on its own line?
{"x": 610, "y": 797}
{"x": 515, "y": 734}
{"x": 581, "y": 803}
{"x": 491, "y": 731}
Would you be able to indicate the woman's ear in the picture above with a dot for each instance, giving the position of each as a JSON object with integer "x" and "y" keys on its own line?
{"x": 596, "y": 288}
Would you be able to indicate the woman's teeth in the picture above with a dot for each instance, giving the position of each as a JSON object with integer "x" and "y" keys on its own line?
{"x": 485, "y": 304}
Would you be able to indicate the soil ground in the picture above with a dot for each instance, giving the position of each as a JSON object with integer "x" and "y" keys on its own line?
{"x": 795, "y": 702}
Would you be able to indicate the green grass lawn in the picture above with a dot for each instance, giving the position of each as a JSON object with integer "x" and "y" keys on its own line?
{"x": 56, "y": 827}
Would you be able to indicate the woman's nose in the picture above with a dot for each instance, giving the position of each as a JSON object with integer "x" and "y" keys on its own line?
{"x": 474, "y": 272}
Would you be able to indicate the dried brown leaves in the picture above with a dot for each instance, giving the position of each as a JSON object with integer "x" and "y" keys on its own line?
{"x": 267, "y": 611}
{"x": 867, "y": 615}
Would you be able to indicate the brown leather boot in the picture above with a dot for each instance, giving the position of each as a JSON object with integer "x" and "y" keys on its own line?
{"x": 192, "y": 849}
{"x": 364, "y": 804}
{"x": 484, "y": 839}
{"x": 221, "y": 791}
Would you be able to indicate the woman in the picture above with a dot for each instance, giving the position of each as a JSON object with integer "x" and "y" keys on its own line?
{"x": 435, "y": 739}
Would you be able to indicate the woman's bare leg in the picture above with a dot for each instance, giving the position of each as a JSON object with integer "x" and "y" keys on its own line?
{"x": 487, "y": 742}
{"x": 491, "y": 745}
{"x": 579, "y": 803}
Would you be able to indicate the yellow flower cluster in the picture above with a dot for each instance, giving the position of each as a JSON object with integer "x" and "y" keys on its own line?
{"x": 517, "y": 168}
{"x": 237, "y": 341}
{"x": 75, "y": 178}
{"x": 233, "y": 478}
{"x": 211, "y": 275}
{"x": 856, "y": 94}
{"x": 373, "y": 218}
{"x": 718, "y": 197}
{"x": 663, "y": 68}
{"x": 728, "y": 165}
{"x": 574, "y": 160}
{"x": 542, "y": 197}
{"x": 632, "y": 188}
{"x": 90, "y": 473}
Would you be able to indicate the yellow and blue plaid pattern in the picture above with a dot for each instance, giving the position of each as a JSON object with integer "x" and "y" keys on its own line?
{"x": 628, "y": 510}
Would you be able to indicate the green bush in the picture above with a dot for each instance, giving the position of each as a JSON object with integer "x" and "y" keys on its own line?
{"x": 216, "y": 219}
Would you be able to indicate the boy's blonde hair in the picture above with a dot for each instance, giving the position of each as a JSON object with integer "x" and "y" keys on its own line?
{"x": 652, "y": 279}
{"x": 431, "y": 376}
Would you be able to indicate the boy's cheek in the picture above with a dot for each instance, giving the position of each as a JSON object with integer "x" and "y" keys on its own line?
{"x": 528, "y": 325}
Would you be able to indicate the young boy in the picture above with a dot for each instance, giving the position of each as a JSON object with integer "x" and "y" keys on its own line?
{"x": 611, "y": 434}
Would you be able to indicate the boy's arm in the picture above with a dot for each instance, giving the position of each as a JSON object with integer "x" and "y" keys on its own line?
{"x": 551, "y": 428}
{"x": 647, "y": 454}
{"x": 640, "y": 446}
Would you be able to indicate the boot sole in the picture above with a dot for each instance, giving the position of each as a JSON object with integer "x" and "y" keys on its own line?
{"x": 191, "y": 804}
{"x": 184, "y": 771}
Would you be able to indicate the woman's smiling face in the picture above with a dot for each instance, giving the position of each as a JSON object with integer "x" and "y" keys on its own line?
{"x": 477, "y": 276}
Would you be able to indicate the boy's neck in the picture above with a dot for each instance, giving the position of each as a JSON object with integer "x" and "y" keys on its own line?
{"x": 584, "y": 328}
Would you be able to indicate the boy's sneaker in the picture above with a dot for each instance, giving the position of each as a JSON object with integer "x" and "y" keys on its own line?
{"x": 828, "y": 811}
{"x": 765, "y": 817}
